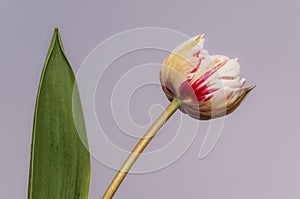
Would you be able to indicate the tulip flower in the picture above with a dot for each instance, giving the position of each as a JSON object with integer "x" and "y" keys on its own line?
{"x": 201, "y": 85}
{"x": 206, "y": 86}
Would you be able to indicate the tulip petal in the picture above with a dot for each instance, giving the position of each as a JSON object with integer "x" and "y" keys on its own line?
{"x": 231, "y": 107}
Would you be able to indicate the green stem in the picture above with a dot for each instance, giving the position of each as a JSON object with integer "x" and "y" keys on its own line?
{"x": 138, "y": 149}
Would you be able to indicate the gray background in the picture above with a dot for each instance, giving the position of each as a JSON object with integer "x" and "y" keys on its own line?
{"x": 258, "y": 153}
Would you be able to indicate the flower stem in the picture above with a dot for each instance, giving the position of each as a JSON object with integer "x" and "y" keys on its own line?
{"x": 138, "y": 149}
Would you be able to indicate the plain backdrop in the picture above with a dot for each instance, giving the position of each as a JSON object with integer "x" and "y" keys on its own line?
{"x": 257, "y": 155}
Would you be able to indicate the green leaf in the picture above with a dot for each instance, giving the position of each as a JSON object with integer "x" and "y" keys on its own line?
{"x": 60, "y": 164}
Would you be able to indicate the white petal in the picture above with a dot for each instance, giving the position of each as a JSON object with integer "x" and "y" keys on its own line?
{"x": 189, "y": 43}
{"x": 219, "y": 98}
{"x": 224, "y": 96}
{"x": 228, "y": 75}
{"x": 230, "y": 69}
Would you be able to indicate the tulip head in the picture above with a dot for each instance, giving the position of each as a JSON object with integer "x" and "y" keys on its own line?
{"x": 207, "y": 86}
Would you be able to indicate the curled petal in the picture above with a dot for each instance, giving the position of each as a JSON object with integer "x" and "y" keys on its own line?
{"x": 232, "y": 106}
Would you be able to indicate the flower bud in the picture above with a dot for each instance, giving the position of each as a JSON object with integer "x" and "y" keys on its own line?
{"x": 207, "y": 86}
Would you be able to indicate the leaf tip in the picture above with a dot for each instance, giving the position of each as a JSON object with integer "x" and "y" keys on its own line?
{"x": 57, "y": 38}
{"x": 56, "y": 33}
